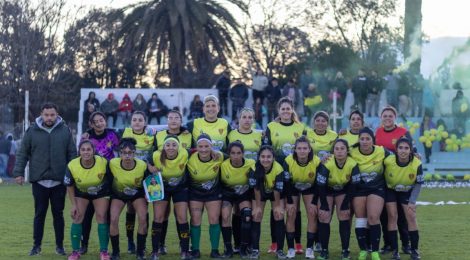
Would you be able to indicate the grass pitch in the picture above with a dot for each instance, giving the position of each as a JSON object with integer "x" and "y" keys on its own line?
{"x": 444, "y": 230}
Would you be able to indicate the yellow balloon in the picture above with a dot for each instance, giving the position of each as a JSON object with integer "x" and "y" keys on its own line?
{"x": 412, "y": 131}
{"x": 433, "y": 131}
{"x": 463, "y": 107}
{"x": 444, "y": 134}
{"x": 422, "y": 139}
{"x": 416, "y": 125}
{"x": 428, "y": 144}
{"x": 448, "y": 141}
{"x": 432, "y": 138}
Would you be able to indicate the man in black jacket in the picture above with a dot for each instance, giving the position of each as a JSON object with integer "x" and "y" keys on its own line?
{"x": 273, "y": 94}
{"x": 223, "y": 85}
{"x": 48, "y": 146}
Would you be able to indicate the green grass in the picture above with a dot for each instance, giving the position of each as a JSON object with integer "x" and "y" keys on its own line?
{"x": 443, "y": 229}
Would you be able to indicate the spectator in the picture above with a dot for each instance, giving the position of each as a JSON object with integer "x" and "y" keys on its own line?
{"x": 259, "y": 111}
{"x": 273, "y": 94}
{"x": 110, "y": 107}
{"x": 359, "y": 88}
{"x": 426, "y": 125}
{"x": 460, "y": 110}
{"x": 404, "y": 101}
{"x": 238, "y": 95}
{"x": 323, "y": 88}
{"x": 312, "y": 101}
{"x": 391, "y": 86}
{"x": 156, "y": 108}
{"x": 92, "y": 100}
{"x": 306, "y": 79}
{"x": 48, "y": 146}
{"x": 374, "y": 87}
{"x": 195, "y": 108}
{"x": 125, "y": 110}
{"x": 5, "y": 148}
{"x": 12, "y": 157}
{"x": 223, "y": 85}
{"x": 89, "y": 109}
{"x": 428, "y": 100}
{"x": 349, "y": 99}
{"x": 290, "y": 90}
{"x": 340, "y": 84}
{"x": 260, "y": 82}
{"x": 139, "y": 104}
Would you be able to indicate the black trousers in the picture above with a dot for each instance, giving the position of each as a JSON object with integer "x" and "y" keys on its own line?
{"x": 42, "y": 197}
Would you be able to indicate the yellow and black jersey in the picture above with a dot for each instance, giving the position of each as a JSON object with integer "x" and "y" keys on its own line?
{"x": 335, "y": 177}
{"x": 92, "y": 181}
{"x": 127, "y": 183}
{"x": 371, "y": 168}
{"x": 217, "y": 130}
{"x": 251, "y": 142}
{"x": 282, "y": 137}
{"x": 274, "y": 180}
{"x": 145, "y": 142}
{"x": 302, "y": 177}
{"x": 174, "y": 171}
{"x": 402, "y": 177}
{"x": 204, "y": 177}
{"x": 235, "y": 179}
{"x": 321, "y": 144}
{"x": 184, "y": 137}
{"x": 350, "y": 137}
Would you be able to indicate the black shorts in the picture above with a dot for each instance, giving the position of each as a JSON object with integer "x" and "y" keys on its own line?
{"x": 296, "y": 192}
{"x": 178, "y": 195}
{"x": 237, "y": 199}
{"x": 270, "y": 196}
{"x": 91, "y": 197}
{"x": 197, "y": 196}
{"x": 366, "y": 192}
{"x": 333, "y": 193}
{"x": 397, "y": 196}
{"x": 126, "y": 199}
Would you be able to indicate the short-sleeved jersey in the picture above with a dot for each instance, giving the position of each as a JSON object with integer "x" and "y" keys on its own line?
{"x": 88, "y": 181}
{"x": 336, "y": 177}
{"x": 184, "y": 137}
{"x": 204, "y": 176}
{"x": 217, "y": 130}
{"x": 371, "y": 168}
{"x": 389, "y": 138}
{"x": 235, "y": 179}
{"x": 251, "y": 142}
{"x": 127, "y": 183}
{"x": 174, "y": 171}
{"x": 302, "y": 177}
{"x": 282, "y": 136}
{"x": 273, "y": 180}
{"x": 350, "y": 137}
{"x": 402, "y": 177}
{"x": 145, "y": 142}
{"x": 321, "y": 144}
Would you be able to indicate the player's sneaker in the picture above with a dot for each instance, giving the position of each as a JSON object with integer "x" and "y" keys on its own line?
{"x": 83, "y": 250}
{"x": 396, "y": 255}
{"x": 362, "y": 255}
{"x": 345, "y": 255}
{"x": 74, "y": 256}
{"x": 60, "y": 251}
{"x": 317, "y": 247}
{"x": 254, "y": 254}
{"x": 280, "y": 254}
{"x": 131, "y": 247}
{"x": 309, "y": 253}
{"x": 406, "y": 249}
{"x": 386, "y": 249}
{"x": 36, "y": 250}
{"x": 154, "y": 256}
{"x": 415, "y": 254}
{"x": 290, "y": 253}
{"x": 323, "y": 255}
{"x": 162, "y": 250}
{"x": 375, "y": 255}
{"x": 115, "y": 256}
{"x": 104, "y": 255}
{"x": 196, "y": 254}
{"x": 299, "y": 249}
{"x": 273, "y": 248}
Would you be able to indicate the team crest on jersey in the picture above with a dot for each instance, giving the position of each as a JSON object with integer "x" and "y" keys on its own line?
{"x": 181, "y": 166}
{"x": 100, "y": 176}
{"x": 375, "y": 162}
{"x": 137, "y": 181}
{"x": 79, "y": 180}
{"x": 348, "y": 177}
{"x": 146, "y": 141}
{"x": 311, "y": 174}
{"x": 185, "y": 145}
{"x": 109, "y": 144}
{"x": 215, "y": 168}
{"x": 256, "y": 142}
{"x": 221, "y": 130}
{"x": 394, "y": 141}
{"x": 277, "y": 134}
{"x": 296, "y": 135}
{"x": 411, "y": 176}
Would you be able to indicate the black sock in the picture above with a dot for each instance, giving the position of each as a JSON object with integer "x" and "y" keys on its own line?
{"x": 273, "y": 227}
{"x": 310, "y": 239}
{"x": 324, "y": 234}
{"x": 403, "y": 227}
{"x": 245, "y": 232}
{"x": 130, "y": 224}
{"x": 368, "y": 243}
{"x": 183, "y": 233}
{"x": 414, "y": 239}
{"x": 280, "y": 234}
{"x": 141, "y": 244}
{"x": 290, "y": 239}
{"x": 383, "y": 223}
{"x": 393, "y": 236}
{"x": 361, "y": 238}
{"x": 374, "y": 231}
{"x": 115, "y": 244}
{"x": 164, "y": 231}
{"x": 255, "y": 234}
{"x": 298, "y": 227}
{"x": 156, "y": 235}
{"x": 236, "y": 226}
{"x": 227, "y": 236}
{"x": 86, "y": 224}
{"x": 345, "y": 233}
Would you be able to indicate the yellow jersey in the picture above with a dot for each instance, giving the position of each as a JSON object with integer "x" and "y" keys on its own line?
{"x": 184, "y": 138}
{"x": 204, "y": 176}
{"x": 174, "y": 171}
{"x": 251, "y": 142}
{"x": 402, "y": 177}
{"x": 88, "y": 181}
{"x": 217, "y": 130}
{"x": 350, "y": 137}
{"x": 336, "y": 177}
{"x": 321, "y": 144}
{"x": 282, "y": 137}
{"x": 302, "y": 177}
{"x": 145, "y": 142}
{"x": 127, "y": 183}
{"x": 371, "y": 168}
{"x": 235, "y": 179}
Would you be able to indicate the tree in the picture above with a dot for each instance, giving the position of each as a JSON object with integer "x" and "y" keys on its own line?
{"x": 185, "y": 39}
{"x": 413, "y": 35}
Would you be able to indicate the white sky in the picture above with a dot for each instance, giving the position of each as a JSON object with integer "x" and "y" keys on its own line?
{"x": 440, "y": 18}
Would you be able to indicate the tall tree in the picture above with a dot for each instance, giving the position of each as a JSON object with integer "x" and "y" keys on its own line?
{"x": 186, "y": 39}
{"x": 413, "y": 35}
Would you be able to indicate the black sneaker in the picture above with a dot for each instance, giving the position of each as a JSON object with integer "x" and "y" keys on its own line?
{"x": 83, "y": 250}
{"x": 317, "y": 247}
{"x": 162, "y": 250}
{"x": 115, "y": 256}
{"x": 186, "y": 256}
{"x": 254, "y": 254}
{"x": 216, "y": 255}
{"x": 154, "y": 256}
{"x": 415, "y": 255}
{"x": 36, "y": 250}
{"x": 280, "y": 254}
{"x": 140, "y": 256}
{"x": 236, "y": 250}
{"x": 385, "y": 249}
{"x": 60, "y": 251}
{"x": 406, "y": 249}
{"x": 345, "y": 254}
{"x": 228, "y": 254}
{"x": 196, "y": 254}
{"x": 131, "y": 247}
{"x": 323, "y": 255}
{"x": 396, "y": 255}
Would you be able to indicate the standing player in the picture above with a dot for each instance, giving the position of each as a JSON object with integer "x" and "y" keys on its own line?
{"x": 321, "y": 138}
{"x": 356, "y": 123}
{"x": 336, "y": 190}
{"x": 404, "y": 176}
{"x": 302, "y": 167}
{"x": 87, "y": 181}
